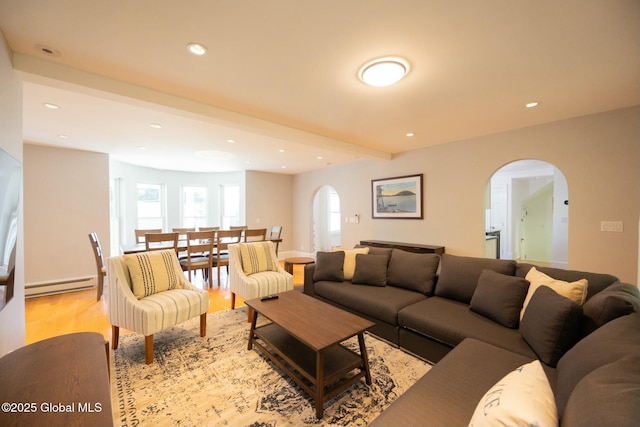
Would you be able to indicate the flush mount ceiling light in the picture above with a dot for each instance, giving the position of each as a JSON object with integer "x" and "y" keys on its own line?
{"x": 531, "y": 104}
{"x": 383, "y": 72}
{"x": 196, "y": 49}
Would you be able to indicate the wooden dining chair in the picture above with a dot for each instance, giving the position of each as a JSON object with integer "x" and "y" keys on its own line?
{"x": 254, "y": 235}
{"x": 162, "y": 241}
{"x": 140, "y": 233}
{"x": 208, "y": 228}
{"x": 100, "y": 267}
{"x": 183, "y": 231}
{"x": 199, "y": 253}
{"x": 221, "y": 256}
{"x": 274, "y": 234}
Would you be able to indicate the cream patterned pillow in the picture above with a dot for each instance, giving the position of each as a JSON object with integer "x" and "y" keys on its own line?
{"x": 153, "y": 272}
{"x": 350, "y": 260}
{"x": 257, "y": 257}
{"x": 575, "y": 291}
{"x": 523, "y": 397}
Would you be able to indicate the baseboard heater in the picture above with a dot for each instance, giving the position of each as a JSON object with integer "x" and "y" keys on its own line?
{"x": 71, "y": 284}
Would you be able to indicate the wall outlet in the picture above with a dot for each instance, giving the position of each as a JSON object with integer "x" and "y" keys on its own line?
{"x": 615, "y": 226}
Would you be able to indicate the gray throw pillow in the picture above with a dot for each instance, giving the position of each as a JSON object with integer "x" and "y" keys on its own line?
{"x": 329, "y": 266}
{"x": 551, "y": 324}
{"x": 370, "y": 270}
{"x": 459, "y": 275}
{"x": 499, "y": 297}
{"x": 414, "y": 271}
{"x": 614, "y": 301}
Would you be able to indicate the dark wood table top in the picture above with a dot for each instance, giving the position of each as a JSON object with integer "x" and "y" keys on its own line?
{"x": 316, "y": 323}
{"x": 60, "y": 381}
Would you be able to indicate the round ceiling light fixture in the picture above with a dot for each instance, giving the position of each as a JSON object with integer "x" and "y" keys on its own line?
{"x": 196, "y": 49}
{"x": 384, "y": 72}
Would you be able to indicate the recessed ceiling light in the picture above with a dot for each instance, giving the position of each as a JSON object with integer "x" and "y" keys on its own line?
{"x": 282, "y": 150}
{"x": 383, "y": 72}
{"x": 319, "y": 157}
{"x": 196, "y": 49}
{"x": 410, "y": 134}
{"x": 51, "y": 106}
{"x": 531, "y": 104}
{"x": 63, "y": 136}
{"x": 231, "y": 141}
{"x": 284, "y": 167}
{"x": 156, "y": 125}
{"x": 47, "y": 50}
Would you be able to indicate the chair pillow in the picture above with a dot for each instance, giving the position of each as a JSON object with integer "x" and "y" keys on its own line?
{"x": 459, "y": 275}
{"x": 499, "y": 297}
{"x": 575, "y": 291}
{"x": 413, "y": 271}
{"x": 370, "y": 270}
{"x": 153, "y": 272}
{"x": 257, "y": 257}
{"x": 329, "y": 266}
{"x": 551, "y": 324}
{"x": 523, "y": 397}
{"x": 614, "y": 301}
{"x": 350, "y": 260}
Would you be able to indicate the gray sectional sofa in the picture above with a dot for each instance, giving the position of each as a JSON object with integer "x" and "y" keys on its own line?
{"x": 466, "y": 316}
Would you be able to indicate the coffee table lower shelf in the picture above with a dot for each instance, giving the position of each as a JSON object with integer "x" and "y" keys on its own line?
{"x": 321, "y": 374}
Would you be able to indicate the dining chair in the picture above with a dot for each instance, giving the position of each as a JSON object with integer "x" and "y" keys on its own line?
{"x": 274, "y": 234}
{"x": 254, "y": 235}
{"x": 221, "y": 255}
{"x": 237, "y": 227}
{"x": 162, "y": 240}
{"x": 183, "y": 231}
{"x": 208, "y": 228}
{"x": 140, "y": 233}
{"x": 100, "y": 267}
{"x": 199, "y": 253}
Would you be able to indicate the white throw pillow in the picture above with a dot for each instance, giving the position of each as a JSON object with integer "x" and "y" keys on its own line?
{"x": 522, "y": 398}
{"x": 575, "y": 291}
{"x": 350, "y": 260}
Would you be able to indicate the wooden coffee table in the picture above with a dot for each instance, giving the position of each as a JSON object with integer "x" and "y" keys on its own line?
{"x": 303, "y": 339}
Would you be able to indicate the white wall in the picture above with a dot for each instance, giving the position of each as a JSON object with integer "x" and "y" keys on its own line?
{"x": 599, "y": 156}
{"x": 12, "y": 327}
{"x": 66, "y": 197}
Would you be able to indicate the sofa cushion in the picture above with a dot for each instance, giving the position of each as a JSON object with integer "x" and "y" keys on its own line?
{"x": 448, "y": 394}
{"x": 575, "y": 291}
{"x": 616, "y": 387}
{"x": 257, "y": 257}
{"x": 414, "y": 271}
{"x": 153, "y": 272}
{"x": 370, "y": 270}
{"x": 597, "y": 281}
{"x": 616, "y": 300}
{"x": 329, "y": 266}
{"x": 450, "y": 322}
{"x": 350, "y": 260}
{"x": 523, "y": 397}
{"x": 551, "y": 324}
{"x": 378, "y": 302}
{"x": 499, "y": 297}
{"x": 459, "y": 275}
{"x": 605, "y": 345}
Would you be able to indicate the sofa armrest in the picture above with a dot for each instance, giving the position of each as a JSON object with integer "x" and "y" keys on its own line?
{"x": 308, "y": 279}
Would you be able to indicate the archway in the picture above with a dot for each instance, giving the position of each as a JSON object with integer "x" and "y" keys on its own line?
{"x": 527, "y": 214}
{"x": 326, "y": 219}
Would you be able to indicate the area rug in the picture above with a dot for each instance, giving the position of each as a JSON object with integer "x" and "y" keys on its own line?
{"x": 216, "y": 381}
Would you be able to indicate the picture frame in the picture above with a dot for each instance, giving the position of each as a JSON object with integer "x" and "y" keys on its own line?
{"x": 398, "y": 197}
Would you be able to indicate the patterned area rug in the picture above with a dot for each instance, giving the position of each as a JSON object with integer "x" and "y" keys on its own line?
{"x": 216, "y": 381}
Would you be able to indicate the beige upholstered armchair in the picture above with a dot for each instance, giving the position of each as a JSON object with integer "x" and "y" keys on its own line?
{"x": 254, "y": 271}
{"x": 148, "y": 293}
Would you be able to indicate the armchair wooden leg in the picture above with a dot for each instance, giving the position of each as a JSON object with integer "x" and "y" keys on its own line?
{"x": 148, "y": 349}
{"x": 233, "y": 300}
{"x": 115, "y": 334}
{"x": 203, "y": 325}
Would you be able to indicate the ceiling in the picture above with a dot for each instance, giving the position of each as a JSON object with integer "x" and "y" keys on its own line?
{"x": 282, "y": 75}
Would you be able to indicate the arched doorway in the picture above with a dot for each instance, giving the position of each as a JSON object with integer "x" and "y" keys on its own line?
{"x": 326, "y": 219}
{"x": 527, "y": 214}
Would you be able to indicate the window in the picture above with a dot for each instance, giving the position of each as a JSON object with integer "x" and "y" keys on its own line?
{"x": 194, "y": 206}
{"x": 230, "y": 205}
{"x": 334, "y": 212}
{"x": 150, "y": 206}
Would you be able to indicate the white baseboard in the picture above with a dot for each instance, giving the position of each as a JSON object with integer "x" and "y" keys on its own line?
{"x": 36, "y": 289}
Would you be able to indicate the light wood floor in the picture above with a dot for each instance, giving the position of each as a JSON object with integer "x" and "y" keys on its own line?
{"x": 53, "y": 315}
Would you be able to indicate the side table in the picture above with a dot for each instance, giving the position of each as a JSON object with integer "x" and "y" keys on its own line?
{"x": 290, "y": 262}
